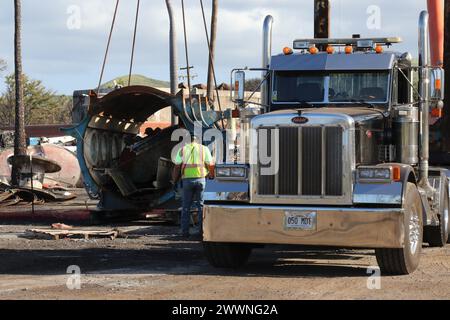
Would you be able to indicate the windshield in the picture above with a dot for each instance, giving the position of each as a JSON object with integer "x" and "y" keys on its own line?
{"x": 369, "y": 87}
{"x": 334, "y": 87}
{"x": 296, "y": 87}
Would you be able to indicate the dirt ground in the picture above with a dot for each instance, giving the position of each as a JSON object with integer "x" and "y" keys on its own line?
{"x": 152, "y": 264}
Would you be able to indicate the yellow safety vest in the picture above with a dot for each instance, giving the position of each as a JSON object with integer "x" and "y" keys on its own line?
{"x": 194, "y": 157}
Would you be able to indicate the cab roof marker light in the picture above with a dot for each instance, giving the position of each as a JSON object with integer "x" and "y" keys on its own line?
{"x": 287, "y": 51}
{"x": 379, "y": 49}
{"x": 313, "y": 50}
{"x": 330, "y": 50}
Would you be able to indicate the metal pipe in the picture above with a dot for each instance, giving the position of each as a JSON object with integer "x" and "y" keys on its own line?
{"x": 212, "y": 50}
{"x": 173, "y": 56}
{"x": 424, "y": 93}
{"x": 267, "y": 55}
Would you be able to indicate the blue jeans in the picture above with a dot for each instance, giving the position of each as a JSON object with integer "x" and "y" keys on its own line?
{"x": 193, "y": 191}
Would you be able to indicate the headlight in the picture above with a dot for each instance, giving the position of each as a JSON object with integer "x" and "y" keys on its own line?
{"x": 238, "y": 172}
{"x": 375, "y": 174}
{"x": 230, "y": 172}
{"x": 223, "y": 172}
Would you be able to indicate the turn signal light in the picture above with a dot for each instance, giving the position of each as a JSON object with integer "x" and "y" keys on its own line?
{"x": 396, "y": 173}
{"x": 379, "y": 49}
{"x": 438, "y": 84}
{"x": 287, "y": 51}
{"x": 348, "y": 50}
{"x": 437, "y": 113}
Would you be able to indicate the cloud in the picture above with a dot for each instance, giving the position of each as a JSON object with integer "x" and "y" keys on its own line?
{"x": 70, "y": 59}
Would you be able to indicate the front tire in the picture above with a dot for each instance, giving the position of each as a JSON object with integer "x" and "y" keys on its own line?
{"x": 227, "y": 255}
{"x": 406, "y": 260}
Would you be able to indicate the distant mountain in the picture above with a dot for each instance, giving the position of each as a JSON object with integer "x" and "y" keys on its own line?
{"x": 137, "y": 80}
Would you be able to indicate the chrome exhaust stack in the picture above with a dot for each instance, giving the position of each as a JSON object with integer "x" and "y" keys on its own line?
{"x": 424, "y": 92}
{"x": 267, "y": 55}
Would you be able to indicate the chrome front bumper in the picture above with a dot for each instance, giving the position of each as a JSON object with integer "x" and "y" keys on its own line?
{"x": 339, "y": 227}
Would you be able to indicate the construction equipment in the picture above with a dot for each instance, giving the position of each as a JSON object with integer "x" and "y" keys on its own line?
{"x": 337, "y": 155}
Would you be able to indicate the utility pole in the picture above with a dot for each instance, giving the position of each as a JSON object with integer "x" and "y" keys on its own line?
{"x": 321, "y": 20}
{"x": 446, "y": 121}
{"x": 173, "y": 55}
{"x": 214, "y": 14}
{"x": 20, "y": 144}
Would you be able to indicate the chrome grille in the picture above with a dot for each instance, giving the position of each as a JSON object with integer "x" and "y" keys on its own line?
{"x": 310, "y": 162}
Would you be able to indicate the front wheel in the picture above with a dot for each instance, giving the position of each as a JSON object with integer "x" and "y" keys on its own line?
{"x": 406, "y": 260}
{"x": 227, "y": 255}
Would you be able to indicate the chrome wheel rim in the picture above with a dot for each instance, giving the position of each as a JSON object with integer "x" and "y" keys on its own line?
{"x": 445, "y": 220}
{"x": 414, "y": 232}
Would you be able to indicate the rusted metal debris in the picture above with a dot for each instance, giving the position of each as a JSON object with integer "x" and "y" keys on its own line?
{"x": 32, "y": 170}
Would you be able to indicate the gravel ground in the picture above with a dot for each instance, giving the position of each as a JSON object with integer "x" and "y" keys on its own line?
{"x": 152, "y": 264}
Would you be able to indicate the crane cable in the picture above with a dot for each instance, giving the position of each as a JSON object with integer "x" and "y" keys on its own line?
{"x": 186, "y": 49}
{"x": 211, "y": 60}
{"x": 134, "y": 41}
{"x": 107, "y": 47}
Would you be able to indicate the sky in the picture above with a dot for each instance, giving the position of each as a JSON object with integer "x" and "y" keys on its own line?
{"x": 64, "y": 40}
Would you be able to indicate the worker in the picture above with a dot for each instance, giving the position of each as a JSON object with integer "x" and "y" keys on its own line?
{"x": 193, "y": 164}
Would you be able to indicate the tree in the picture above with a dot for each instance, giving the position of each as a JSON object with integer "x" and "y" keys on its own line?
{"x": 2, "y": 65}
{"x": 20, "y": 145}
{"x": 252, "y": 84}
{"x": 43, "y": 105}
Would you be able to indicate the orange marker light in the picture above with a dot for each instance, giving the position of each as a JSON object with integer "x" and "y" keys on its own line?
{"x": 379, "y": 49}
{"x": 436, "y": 113}
{"x": 396, "y": 173}
{"x": 348, "y": 50}
{"x": 236, "y": 113}
{"x": 236, "y": 86}
{"x": 330, "y": 50}
{"x": 287, "y": 51}
{"x": 438, "y": 84}
{"x": 313, "y": 50}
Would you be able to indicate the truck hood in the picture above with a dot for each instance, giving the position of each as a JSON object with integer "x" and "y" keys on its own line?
{"x": 359, "y": 114}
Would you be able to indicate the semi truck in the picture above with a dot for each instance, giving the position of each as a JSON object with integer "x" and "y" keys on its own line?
{"x": 336, "y": 154}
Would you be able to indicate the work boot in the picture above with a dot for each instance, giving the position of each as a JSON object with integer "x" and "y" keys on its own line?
{"x": 183, "y": 235}
{"x": 196, "y": 237}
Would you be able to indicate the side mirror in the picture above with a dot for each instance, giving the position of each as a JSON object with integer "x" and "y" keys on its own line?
{"x": 437, "y": 84}
{"x": 239, "y": 86}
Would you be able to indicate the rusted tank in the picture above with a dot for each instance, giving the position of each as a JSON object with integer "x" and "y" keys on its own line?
{"x": 69, "y": 176}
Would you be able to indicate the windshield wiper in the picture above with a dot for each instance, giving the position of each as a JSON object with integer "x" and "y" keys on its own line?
{"x": 360, "y": 102}
{"x": 364, "y": 103}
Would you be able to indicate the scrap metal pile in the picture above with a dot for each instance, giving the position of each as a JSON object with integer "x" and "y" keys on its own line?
{"x": 47, "y": 173}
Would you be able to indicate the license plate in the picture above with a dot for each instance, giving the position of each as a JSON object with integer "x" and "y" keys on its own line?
{"x": 299, "y": 220}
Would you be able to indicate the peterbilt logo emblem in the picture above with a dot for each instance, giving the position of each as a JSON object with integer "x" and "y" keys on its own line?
{"x": 300, "y": 120}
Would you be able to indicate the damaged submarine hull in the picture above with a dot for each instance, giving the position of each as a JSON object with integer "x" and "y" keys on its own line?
{"x": 125, "y": 172}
